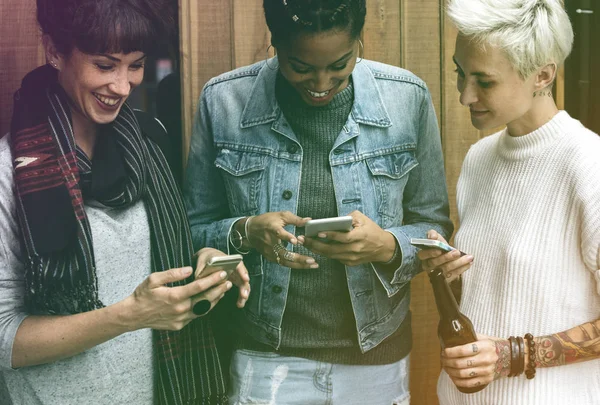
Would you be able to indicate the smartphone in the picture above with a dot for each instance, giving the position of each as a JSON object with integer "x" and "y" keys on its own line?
{"x": 224, "y": 263}
{"x": 339, "y": 224}
{"x": 430, "y": 243}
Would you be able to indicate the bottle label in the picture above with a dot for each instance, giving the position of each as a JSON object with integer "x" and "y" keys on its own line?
{"x": 456, "y": 325}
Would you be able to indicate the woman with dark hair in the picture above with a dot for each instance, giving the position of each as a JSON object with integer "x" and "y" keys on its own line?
{"x": 89, "y": 209}
{"x": 318, "y": 132}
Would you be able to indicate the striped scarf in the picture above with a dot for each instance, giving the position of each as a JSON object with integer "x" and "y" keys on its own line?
{"x": 52, "y": 176}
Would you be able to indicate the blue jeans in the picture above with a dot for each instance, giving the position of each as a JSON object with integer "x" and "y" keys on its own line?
{"x": 266, "y": 378}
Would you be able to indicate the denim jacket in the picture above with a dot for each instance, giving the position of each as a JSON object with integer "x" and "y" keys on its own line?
{"x": 386, "y": 162}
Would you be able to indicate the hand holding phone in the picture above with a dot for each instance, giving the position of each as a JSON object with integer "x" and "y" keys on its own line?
{"x": 338, "y": 224}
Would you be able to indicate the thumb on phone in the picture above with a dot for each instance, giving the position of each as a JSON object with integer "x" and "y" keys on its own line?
{"x": 433, "y": 234}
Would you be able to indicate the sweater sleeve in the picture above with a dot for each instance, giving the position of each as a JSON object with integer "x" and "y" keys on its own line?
{"x": 12, "y": 283}
{"x": 588, "y": 192}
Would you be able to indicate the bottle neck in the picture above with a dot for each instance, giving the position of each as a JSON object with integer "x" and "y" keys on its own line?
{"x": 444, "y": 299}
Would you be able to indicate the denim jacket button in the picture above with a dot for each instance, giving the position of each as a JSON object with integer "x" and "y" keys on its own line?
{"x": 287, "y": 194}
{"x": 276, "y": 289}
{"x": 292, "y": 148}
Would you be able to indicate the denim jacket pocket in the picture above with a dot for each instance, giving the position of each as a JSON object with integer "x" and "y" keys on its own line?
{"x": 242, "y": 173}
{"x": 389, "y": 174}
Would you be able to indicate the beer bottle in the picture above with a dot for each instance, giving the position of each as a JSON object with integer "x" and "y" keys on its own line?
{"x": 454, "y": 329}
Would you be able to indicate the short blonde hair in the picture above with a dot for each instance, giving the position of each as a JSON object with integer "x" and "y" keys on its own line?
{"x": 532, "y": 33}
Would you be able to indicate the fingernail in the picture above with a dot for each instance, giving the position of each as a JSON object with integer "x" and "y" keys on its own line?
{"x": 322, "y": 235}
{"x": 229, "y": 284}
{"x": 314, "y": 266}
{"x": 223, "y": 274}
{"x": 310, "y": 261}
{"x": 186, "y": 271}
{"x": 201, "y": 307}
{"x": 470, "y": 258}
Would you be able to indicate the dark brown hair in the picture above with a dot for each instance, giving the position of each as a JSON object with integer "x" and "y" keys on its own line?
{"x": 106, "y": 26}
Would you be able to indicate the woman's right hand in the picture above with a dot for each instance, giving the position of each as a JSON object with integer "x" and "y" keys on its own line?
{"x": 451, "y": 263}
{"x": 155, "y": 305}
{"x": 267, "y": 230}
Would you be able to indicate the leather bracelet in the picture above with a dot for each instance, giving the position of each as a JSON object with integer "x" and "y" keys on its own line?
{"x": 514, "y": 356}
{"x": 530, "y": 372}
{"x": 521, "y": 355}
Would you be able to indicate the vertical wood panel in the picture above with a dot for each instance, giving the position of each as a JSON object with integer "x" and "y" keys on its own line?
{"x": 250, "y": 33}
{"x": 381, "y": 36}
{"x": 206, "y": 51}
{"x": 20, "y": 51}
{"x": 422, "y": 56}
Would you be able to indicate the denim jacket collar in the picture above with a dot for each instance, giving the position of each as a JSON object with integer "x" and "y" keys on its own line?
{"x": 368, "y": 107}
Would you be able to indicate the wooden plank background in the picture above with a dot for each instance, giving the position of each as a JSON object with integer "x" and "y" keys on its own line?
{"x": 20, "y": 52}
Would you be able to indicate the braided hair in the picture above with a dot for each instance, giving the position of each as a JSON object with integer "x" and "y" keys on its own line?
{"x": 288, "y": 18}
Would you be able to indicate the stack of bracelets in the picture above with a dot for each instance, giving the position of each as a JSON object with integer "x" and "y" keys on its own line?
{"x": 517, "y": 356}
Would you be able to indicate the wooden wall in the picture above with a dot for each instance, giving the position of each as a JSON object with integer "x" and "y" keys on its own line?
{"x": 20, "y": 52}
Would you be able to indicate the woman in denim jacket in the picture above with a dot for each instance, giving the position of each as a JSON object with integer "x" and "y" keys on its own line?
{"x": 318, "y": 132}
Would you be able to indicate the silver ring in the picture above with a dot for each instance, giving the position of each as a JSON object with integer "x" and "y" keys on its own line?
{"x": 289, "y": 256}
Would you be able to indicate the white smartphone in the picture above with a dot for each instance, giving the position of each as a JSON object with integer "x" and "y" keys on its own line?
{"x": 339, "y": 224}
{"x": 224, "y": 263}
{"x": 430, "y": 243}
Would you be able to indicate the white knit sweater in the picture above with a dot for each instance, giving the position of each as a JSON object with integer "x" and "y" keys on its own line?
{"x": 529, "y": 210}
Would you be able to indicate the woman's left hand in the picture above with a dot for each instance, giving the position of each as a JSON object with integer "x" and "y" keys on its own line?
{"x": 239, "y": 277}
{"x": 477, "y": 363}
{"x": 367, "y": 242}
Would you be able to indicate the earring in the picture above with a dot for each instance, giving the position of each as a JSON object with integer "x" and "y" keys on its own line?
{"x": 361, "y": 47}
{"x": 267, "y": 60}
{"x": 54, "y": 65}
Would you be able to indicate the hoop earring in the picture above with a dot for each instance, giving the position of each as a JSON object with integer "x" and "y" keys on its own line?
{"x": 361, "y": 46}
{"x": 267, "y": 60}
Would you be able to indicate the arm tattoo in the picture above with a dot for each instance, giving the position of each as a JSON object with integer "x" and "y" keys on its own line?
{"x": 502, "y": 368}
{"x": 578, "y": 344}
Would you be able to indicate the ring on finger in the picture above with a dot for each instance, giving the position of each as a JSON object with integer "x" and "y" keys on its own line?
{"x": 277, "y": 256}
{"x": 289, "y": 256}
{"x": 278, "y": 247}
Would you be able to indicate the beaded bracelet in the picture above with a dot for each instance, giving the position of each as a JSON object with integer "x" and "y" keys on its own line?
{"x": 530, "y": 372}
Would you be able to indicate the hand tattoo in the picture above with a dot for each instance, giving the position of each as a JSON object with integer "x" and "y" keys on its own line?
{"x": 473, "y": 374}
{"x": 475, "y": 348}
{"x": 502, "y": 368}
